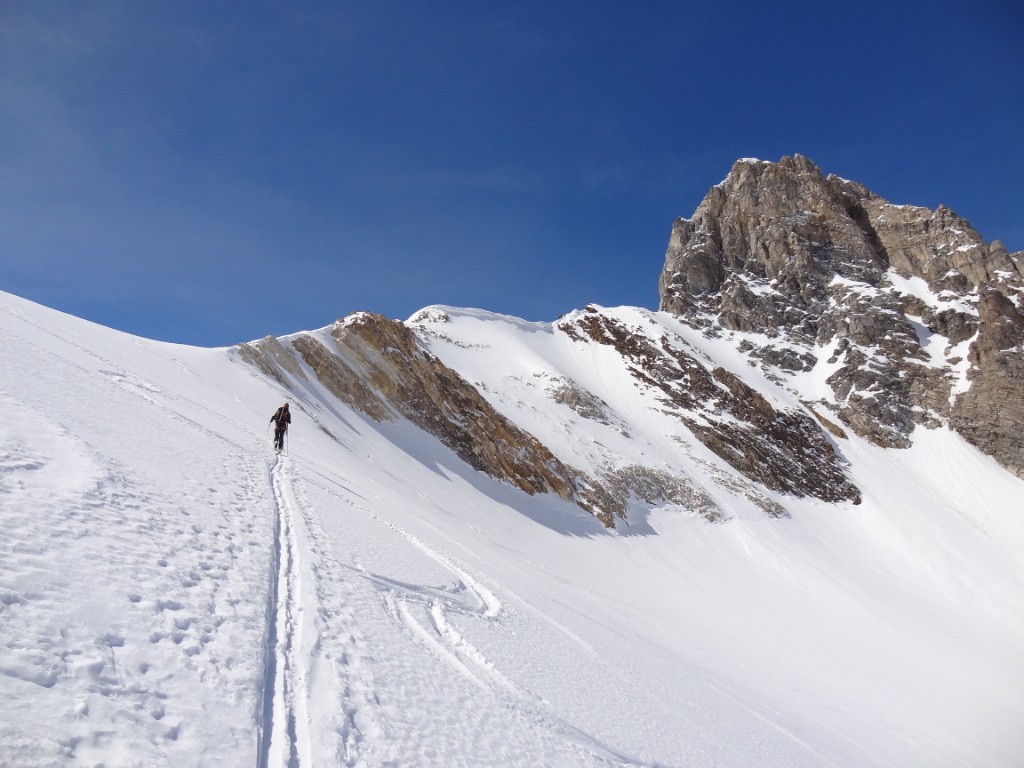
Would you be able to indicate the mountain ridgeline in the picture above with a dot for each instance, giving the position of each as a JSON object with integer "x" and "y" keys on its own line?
{"x": 795, "y": 308}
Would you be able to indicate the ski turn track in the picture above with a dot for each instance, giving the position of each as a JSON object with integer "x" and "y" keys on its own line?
{"x": 285, "y": 740}
{"x": 425, "y": 613}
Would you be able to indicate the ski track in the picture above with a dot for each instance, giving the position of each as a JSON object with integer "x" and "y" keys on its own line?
{"x": 284, "y": 738}
{"x": 315, "y": 630}
{"x": 425, "y": 614}
{"x": 317, "y": 692}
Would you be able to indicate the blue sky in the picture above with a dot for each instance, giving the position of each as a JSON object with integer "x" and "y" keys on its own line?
{"x": 209, "y": 173}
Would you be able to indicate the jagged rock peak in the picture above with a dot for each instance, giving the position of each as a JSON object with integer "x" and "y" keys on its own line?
{"x": 763, "y": 215}
{"x": 810, "y": 266}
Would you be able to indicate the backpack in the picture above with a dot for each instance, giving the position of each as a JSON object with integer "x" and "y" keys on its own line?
{"x": 283, "y": 418}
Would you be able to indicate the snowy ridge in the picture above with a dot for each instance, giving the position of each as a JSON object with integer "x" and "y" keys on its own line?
{"x": 174, "y": 593}
{"x": 637, "y": 410}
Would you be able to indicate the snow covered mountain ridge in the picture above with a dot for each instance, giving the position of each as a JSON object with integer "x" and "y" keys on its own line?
{"x": 623, "y": 538}
{"x": 716, "y": 425}
{"x": 799, "y": 306}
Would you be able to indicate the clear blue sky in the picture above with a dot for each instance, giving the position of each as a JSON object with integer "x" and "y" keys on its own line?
{"x": 210, "y": 172}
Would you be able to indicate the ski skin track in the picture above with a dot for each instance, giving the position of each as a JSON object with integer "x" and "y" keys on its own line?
{"x": 284, "y": 738}
{"x": 266, "y": 707}
{"x": 433, "y": 629}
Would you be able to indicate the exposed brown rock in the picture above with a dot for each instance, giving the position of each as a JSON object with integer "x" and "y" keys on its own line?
{"x": 379, "y": 368}
{"x": 436, "y": 398}
{"x": 783, "y": 450}
{"x": 833, "y": 429}
{"x": 582, "y": 401}
{"x": 781, "y": 250}
{"x": 656, "y": 486}
{"x": 270, "y": 356}
{"x": 342, "y": 381}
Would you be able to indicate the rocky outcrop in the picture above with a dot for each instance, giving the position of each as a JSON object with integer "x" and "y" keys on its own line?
{"x": 784, "y": 451}
{"x": 582, "y": 401}
{"x": 804, "y": 265}
{"x": 378, "y": 367}
{"x": 655, "y": 486}
{"x": 434, "y": 397}
{"x": 272, "y": 358}
{"x": 991, "y": 413}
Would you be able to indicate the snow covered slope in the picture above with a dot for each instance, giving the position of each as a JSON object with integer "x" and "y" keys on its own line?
{"x": 174, "y": 593}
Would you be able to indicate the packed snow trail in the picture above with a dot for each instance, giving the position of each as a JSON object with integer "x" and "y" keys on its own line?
{"x": 315, "y": 686}
{"x": 284, "y": 737}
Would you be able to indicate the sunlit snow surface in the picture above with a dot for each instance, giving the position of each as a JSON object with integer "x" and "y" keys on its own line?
{"x": 173, "y": 593}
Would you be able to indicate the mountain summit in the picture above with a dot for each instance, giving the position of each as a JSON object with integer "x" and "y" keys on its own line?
{"x": 910, "y": 318}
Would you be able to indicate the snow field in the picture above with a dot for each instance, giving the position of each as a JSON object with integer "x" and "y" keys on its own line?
{"x": 883, "y": 581}
{"x": 173, "y": 593}
{"x": 129, "y": 562}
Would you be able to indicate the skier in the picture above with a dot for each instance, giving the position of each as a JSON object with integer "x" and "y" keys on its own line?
{"x": 282, "y": 418}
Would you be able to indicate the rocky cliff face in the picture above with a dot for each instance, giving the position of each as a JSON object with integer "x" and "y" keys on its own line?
{"x": 909, "y": 315}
